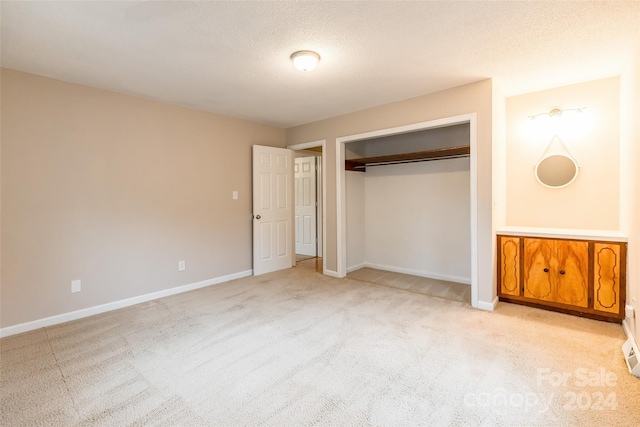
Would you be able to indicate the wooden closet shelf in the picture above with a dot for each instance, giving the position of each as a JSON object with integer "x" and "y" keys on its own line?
{"x": 361, "y": 164}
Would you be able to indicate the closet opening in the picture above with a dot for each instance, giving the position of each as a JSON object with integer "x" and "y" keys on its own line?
{"x": 407, "y": 207}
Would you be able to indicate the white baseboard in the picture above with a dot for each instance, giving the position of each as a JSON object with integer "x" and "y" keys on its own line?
{"x": 456, "y": 279}
{"x": 488, "y": 306}
{"x": 331, "y": 273}
{"x": 86, "y": 312}
{"x": 627, "y": 331}
{"x": 356, "y": 267}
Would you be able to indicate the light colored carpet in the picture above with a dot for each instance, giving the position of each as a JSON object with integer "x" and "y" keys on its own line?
{"x": 297, "y": 348}
{"x": 421, "y": 285}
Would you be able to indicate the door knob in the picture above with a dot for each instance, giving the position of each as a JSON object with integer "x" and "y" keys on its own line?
{"x": 561, "y": 271}
{"x": 546, "y": 270}
{"x": 258, "y": 217}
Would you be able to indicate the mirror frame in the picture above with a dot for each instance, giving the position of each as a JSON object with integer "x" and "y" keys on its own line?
{"x": 575, "y": 175}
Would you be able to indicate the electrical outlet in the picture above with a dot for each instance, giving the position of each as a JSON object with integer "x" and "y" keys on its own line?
{"x": 629, "y": 311}
{"x": 235, "y": 195}
{"x": 182, "y": 266}
{"x": 76, "y": 286}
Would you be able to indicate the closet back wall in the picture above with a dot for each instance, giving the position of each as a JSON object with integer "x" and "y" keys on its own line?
{"x": 418, "y": 218}
{"x": 413, "y": 218}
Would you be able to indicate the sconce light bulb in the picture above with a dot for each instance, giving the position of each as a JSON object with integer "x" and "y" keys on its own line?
{"x": 556, "y": 112}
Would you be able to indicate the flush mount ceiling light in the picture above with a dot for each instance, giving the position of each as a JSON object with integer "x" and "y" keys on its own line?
{"x": 305, "y": 60}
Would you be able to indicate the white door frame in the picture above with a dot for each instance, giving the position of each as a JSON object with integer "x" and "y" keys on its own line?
{"x": 313, "y": 144}
{"x": 341, "y": 196}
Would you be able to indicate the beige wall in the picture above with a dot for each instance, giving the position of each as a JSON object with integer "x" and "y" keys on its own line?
{"x": 630, "y": 180}
{"x": 475, "y": 97}
{"x": 115, "y": 190}
{"x": 592, "y": 201}
{"x": 499, "y": 143}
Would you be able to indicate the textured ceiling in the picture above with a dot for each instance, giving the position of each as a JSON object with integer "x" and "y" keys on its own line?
{"x": 232, "y": 58}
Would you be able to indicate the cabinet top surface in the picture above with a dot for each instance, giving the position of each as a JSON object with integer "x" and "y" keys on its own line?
{"x": 564, "y": 233}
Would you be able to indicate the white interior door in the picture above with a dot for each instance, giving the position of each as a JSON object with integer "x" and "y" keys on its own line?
{"x": 272, "y": 209}
{"x": 305, "y": 205}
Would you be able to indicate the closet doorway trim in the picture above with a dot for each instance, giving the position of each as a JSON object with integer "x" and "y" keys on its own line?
{"x": 341, "y": 196}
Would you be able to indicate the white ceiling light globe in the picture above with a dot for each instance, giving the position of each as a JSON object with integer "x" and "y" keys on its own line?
{"x": 305, "y": 60}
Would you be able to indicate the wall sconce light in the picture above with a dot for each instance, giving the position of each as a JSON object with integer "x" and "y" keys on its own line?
{"x": 556, "y": 112}
{"x": 570, "y": 123}
{"x": 305, "y": 60}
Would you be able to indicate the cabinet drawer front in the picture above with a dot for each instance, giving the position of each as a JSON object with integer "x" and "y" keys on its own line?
{"x": 509, "y": 265}
{"x": 606, "y": 277}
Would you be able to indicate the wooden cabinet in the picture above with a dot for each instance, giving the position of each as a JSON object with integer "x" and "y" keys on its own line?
{"x": 573, "y": 276}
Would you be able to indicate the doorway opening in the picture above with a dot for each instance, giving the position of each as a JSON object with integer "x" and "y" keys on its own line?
{"x": 309, "y": 205}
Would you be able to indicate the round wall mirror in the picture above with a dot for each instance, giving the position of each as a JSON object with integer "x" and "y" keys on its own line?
{"x": 556, "y": 171}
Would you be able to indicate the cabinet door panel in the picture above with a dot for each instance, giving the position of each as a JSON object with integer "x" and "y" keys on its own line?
{"x": 606, "y": 277}
{"x": 510, "y": 265}
{"x": 538, "y": 283}
{"x": 572, "y": 272}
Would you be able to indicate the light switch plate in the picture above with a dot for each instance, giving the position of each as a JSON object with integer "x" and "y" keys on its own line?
{"x": 235, "y": 195}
